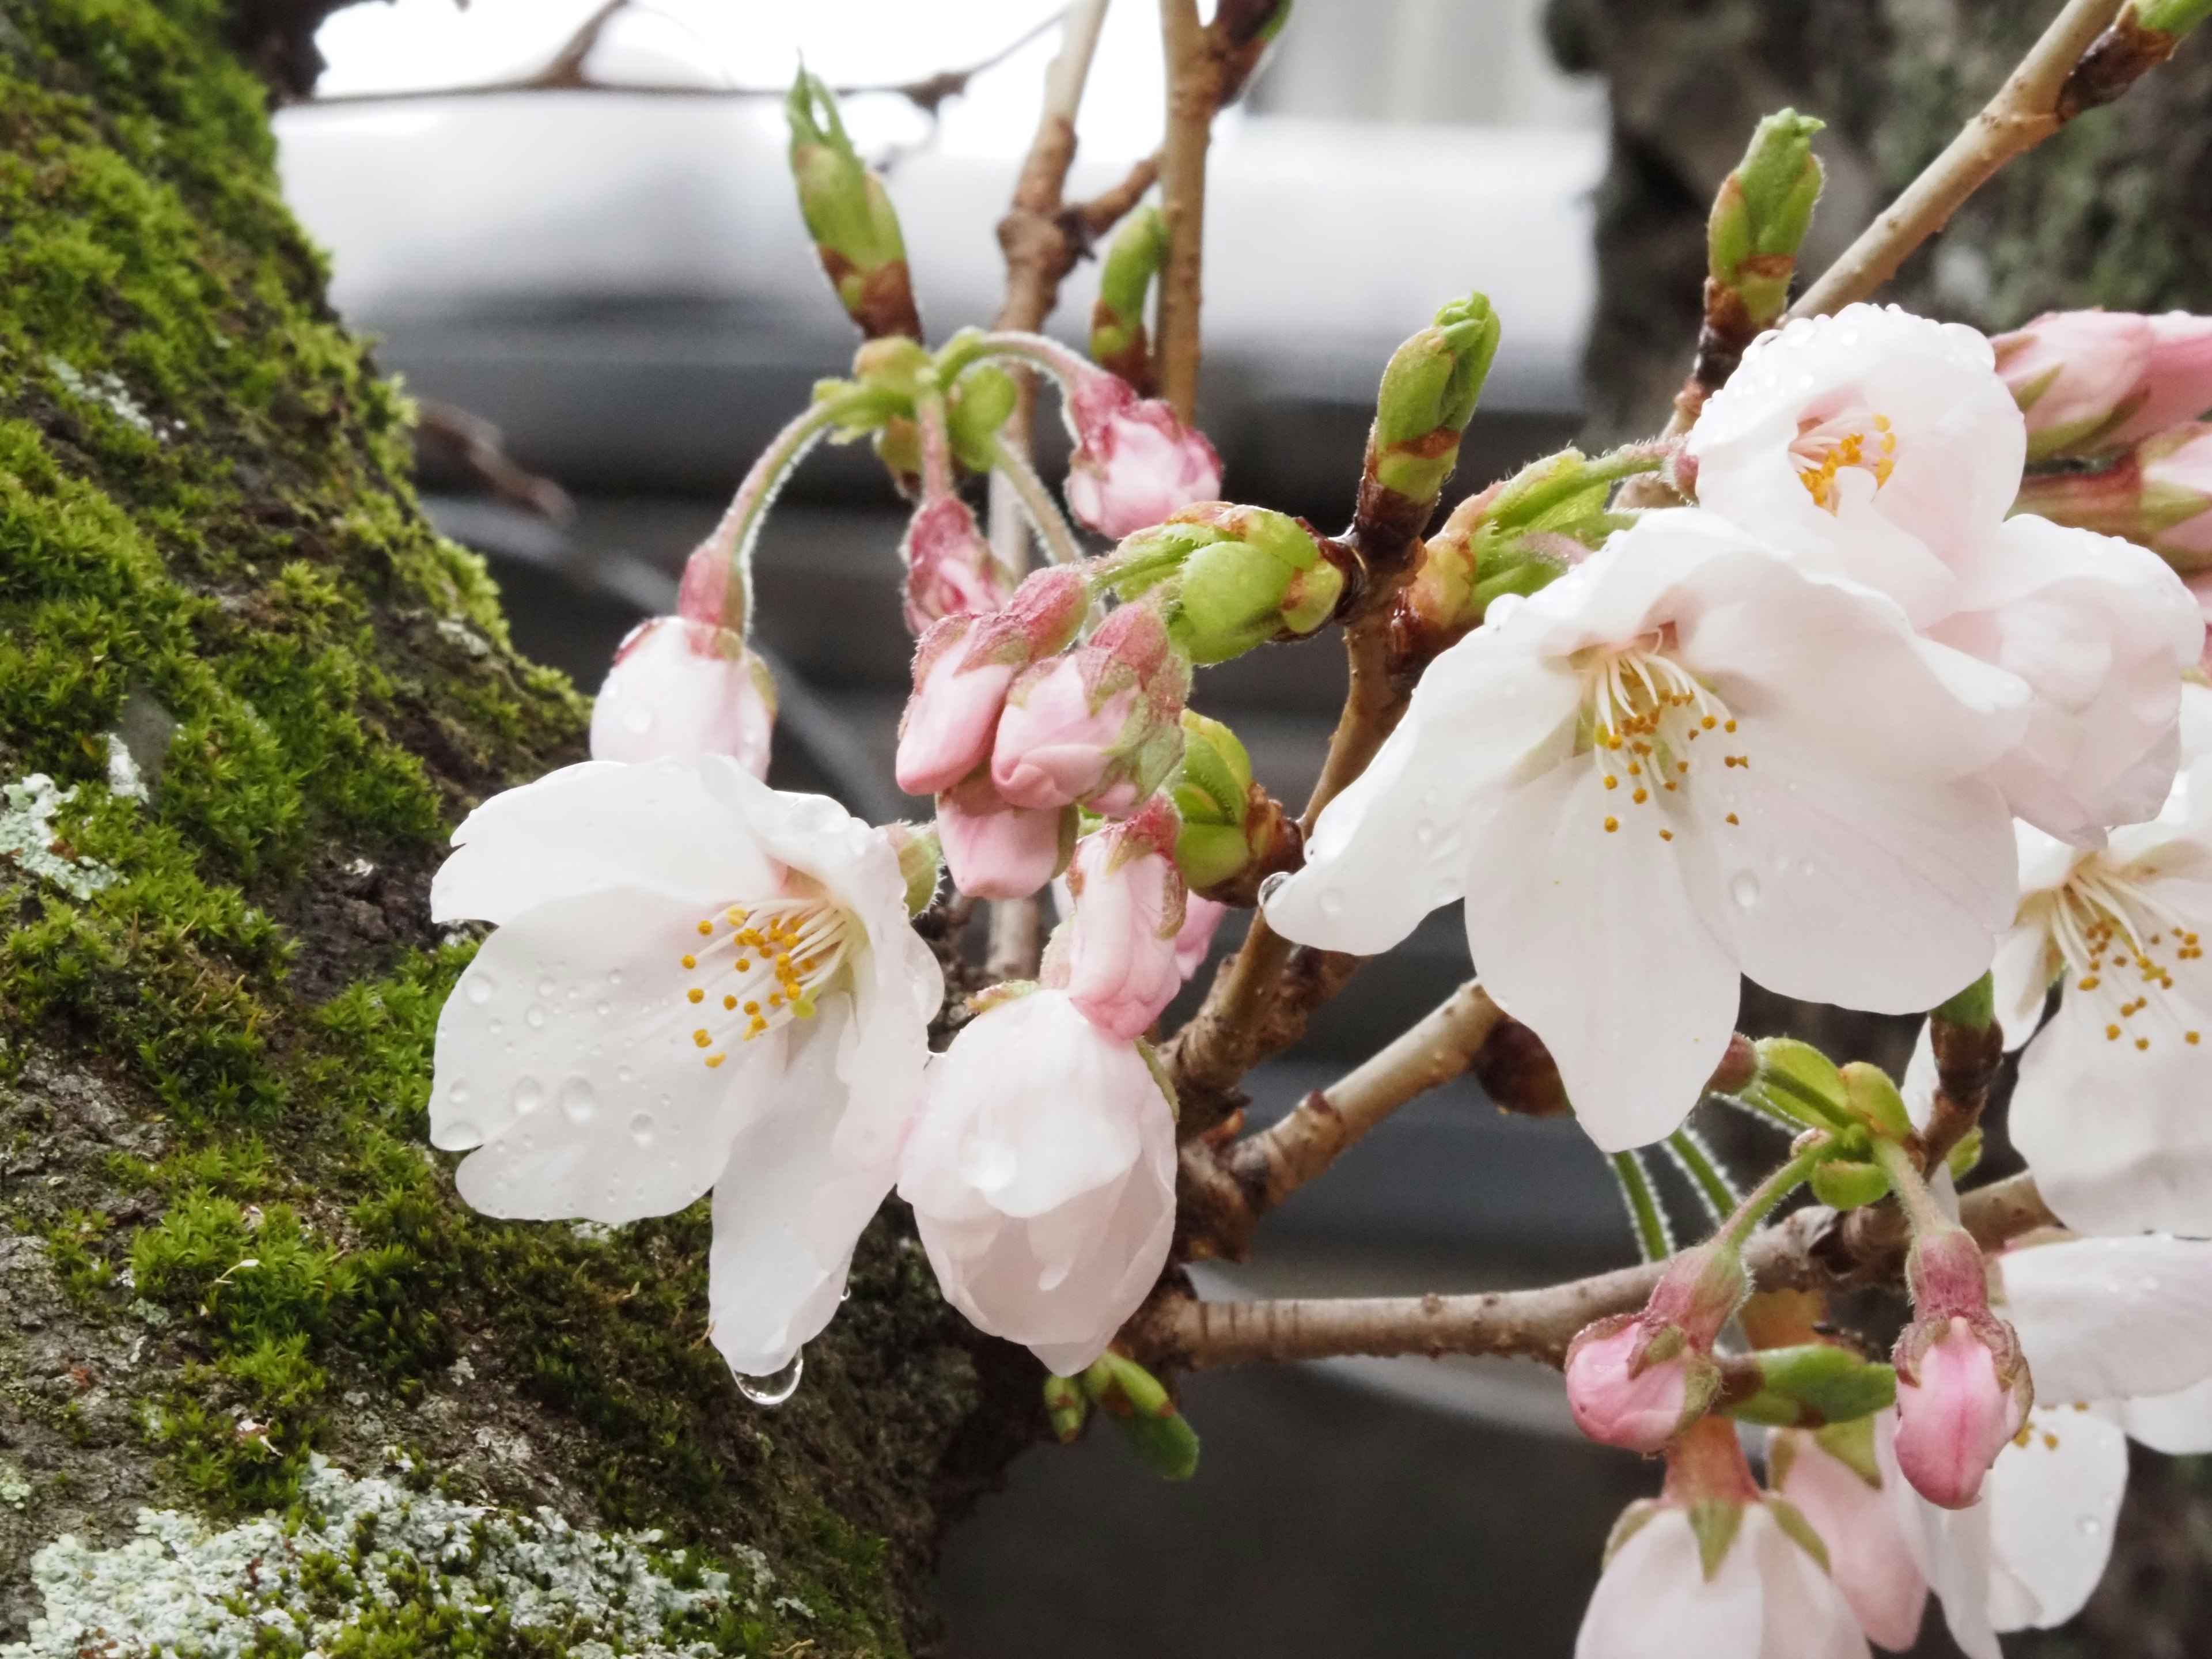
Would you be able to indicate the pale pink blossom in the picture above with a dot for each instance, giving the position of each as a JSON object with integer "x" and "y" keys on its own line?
{"x": 961, "y": 669}
{"x": 1101, "y": 725}
{"x": 1617, "y": 1404}
{"x": 1201, "y": 919}
{"x": 681, "y": 688}
{"x": 601, "y": 1057}
{"x": 951, "y": 570}
{"x": 2174, "y": 473}
{"x": 1883, "y": 449}
{"x": 1834, "y": 1476}
{"x": 1042, "y": 1173}
{"x": 1135, "y": 462}
{"x": 2074, "y": 374}
{"x": 1955, "y": 1414}
{"x": 995, "y": 850}
{"x": 1116, "y": 955}
{"x": 2177, "y": 382}
{"x": 1685, "y": 762}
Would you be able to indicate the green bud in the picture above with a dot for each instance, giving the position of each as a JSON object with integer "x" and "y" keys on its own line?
{"x": 1761, "y": 214}
{"x": 1169, "y": 1445}
{"x": 2175, "y": 18}
{"x": 1428, "y": 395}
{"x": 849, "y": 214}
{"x": 1817, "y": 1383}
{"x": 1118, "y": 340}
{"x": 1065, "y": 1407}
{"x": 1842, "y": 1184}
{"x": 1211, "y": 788}
{"x": 1242, "y": 576}
{"x": 1800, "y": 1082}
{"x": 975, "y": 408}
{"x": 1873, "y": 1099}
{"x": 1975, "y": 1007}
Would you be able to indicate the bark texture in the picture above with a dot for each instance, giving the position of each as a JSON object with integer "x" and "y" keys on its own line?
{"x": 251, "y": 691}
{"x": 2115, "y": 210}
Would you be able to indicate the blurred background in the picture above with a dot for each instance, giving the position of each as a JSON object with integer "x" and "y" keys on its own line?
{"x": 617, "y": 279}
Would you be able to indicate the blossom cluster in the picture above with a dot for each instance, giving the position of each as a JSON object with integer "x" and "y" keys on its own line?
{"x": 1875, "y": 716}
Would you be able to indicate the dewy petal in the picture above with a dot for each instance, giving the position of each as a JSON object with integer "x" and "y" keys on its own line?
{"x": 787, "y": 1210}
{"x": 1394, "y": 846}
{"x": 2110, "y": 1318}
{"x": 597, "y": 825}
{"x": 1594, "y": 940}
{"x": 2179, "y": 1424}
{"x": 2053, "y": 1498}
{"x": 680, "y": 688}
{"x": 2119, "y": 1139}
{"x": 1653, "y": 1600}
{"x": 565, "y": 1055}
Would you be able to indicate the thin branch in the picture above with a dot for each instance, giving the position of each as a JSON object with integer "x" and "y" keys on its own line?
{"x": 1813, "y": 1248}
{"x": 2027, "y": 109}
{"x": 1194, "y": 78}
{"x": 565, "y": 72}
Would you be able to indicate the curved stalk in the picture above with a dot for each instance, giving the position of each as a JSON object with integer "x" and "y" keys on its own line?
{"x": 1655, "y": 1239}
{"x": 1053, "y": 529}
{"x": 739, "y": 528}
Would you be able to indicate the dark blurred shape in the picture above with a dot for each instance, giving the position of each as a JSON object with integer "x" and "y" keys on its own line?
{"x": 454, "y": 447}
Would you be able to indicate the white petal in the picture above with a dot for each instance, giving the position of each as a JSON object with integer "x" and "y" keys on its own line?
{"x": 2111, "y": 1318}
{"x": 2052, "y": 1503}
{"x": 1592, "y": 939}
{"x": 596, "y": 826}
{"x": 1917, "y": 1086}
{"x": 1854, "y": 891}
{"x": 1654, "y": 1601}
{"x": 1393, "y": 846}
{"x": 566, "y": 1053}
{"x": 1805, "y": 1614}
{"x": 2119, "y": 1139}
{"x": 788, "y": 1211}
{"x": 2179, "y": 1424}
{"x": 1951, "y": 1547}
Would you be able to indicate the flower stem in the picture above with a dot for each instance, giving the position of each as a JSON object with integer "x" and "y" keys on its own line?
{"x": 1653, "y": 1236}
{"x": 1817, "y": 1149}
{"x": 1921, "y": 1208}
{"x": 972, "y": 346}
{"x": 740, "y": 529}
{"x": 1038, "y": 505}
{"x": 936, "y": 438}
{"x": 1705, "y": 1173}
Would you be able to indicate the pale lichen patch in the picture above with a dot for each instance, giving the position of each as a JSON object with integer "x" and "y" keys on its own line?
{"x": 28, "y": 835}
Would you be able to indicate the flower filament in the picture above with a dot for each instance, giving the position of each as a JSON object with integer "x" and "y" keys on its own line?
{"x": 2116, "y": 938}
{"x": 1641, "y": 711}
{"x": 759, "y": 966}
{"x": 1824, "y": 449}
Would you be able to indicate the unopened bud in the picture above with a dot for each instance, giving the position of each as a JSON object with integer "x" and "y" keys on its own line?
{"x": 849, "y": 214}
{"x": 1100, "y": 725}
{"x": 1119, "y": 343}
{"x": 1234, "y": 833}
{"x": 1796, "y": 1080}
{"x": 1143, "y": 1410}
{"x": 1962, "y": 1392}
{"x": 1630, "y": 1386}
{"x": 680, "y": 688}
{"x": 962, "y": 667}
{"x": 1759, "y": 219}
{"x": 976, "y": 406}
{"x": 1872, "y": 1098}
{"x": 1116, "y": 955}
{"x": 2157, "y": 495}
{"x": 1065, "y": 1407}
{"x": 1135, "y": 461}
{"x": 1848, "y": 1184}
{"x": 1235, "y": 577}
{"x": 1429, "y": 391}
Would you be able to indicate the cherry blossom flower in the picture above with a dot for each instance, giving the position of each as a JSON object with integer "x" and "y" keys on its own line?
{"x": 1101, "y": 725}
{"x": 1117, "y": 954}
{"x": 1135, "y": 462}
{"x": 1834, "y": 1477}
{"x": 1684, "y": 761}
{"x": 2113, "y": 1107}
{"x": 1963, "y": 1386}
{"x": 1715, "y": 1570}
{"x": 693, "y": 981}
{"x": 680, "y": 688}
{"x": 2119, "y": 1333}
{"x": 1883, "y": 449}
{"x": 2101, "y": 379}
{"x": 951, "y": 570}
{"x": 961, "y": 669}
{"x": 1042, "y": 1173}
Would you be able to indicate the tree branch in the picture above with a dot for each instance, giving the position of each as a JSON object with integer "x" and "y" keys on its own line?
{"x": 1193, "y": 94}
{"x": 1814, "y": 1247}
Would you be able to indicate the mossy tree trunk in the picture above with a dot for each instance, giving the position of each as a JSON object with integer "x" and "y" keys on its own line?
{"x": 2115, "y": 211}
{"x": 264, "y": 690}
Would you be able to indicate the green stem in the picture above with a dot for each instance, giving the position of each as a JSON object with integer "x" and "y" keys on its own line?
{"x": 1773, "y": 1190}
{"x": 1652, "y": 1235}
{"x": 936, "y": 438}
{"x": 734, "y": 537}
{"x": 1060, "y": 545}
{"x": 1705, "y": 1173}
{"x": 1921, "y": 1208}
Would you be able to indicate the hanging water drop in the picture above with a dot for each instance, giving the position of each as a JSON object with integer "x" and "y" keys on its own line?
{"x": 641, "y": 1128}
{"x": 775, "y": 1389}
{"x": 1744, "y": 889}
{"x": 577, "y": 1100}
{"x": 1271, "y": 886}
{"x": 529, "y": 1095}
{"x": 480, "y": 988}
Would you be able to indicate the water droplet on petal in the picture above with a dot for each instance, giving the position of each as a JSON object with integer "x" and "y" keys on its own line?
{"x": 604, "y": 1010}
{"x": 536, "y": 1016}
{"x": 639, "y": 720}
{"x": 1744, "y": 889}
{"x": 1273, "y": 885}
{"x": 641, "y": 1128}
{"x": 529, "y": 1095}
{"x": 624, "y": 1074}
{"x": 775, "y": 1389}
{"x": 497, "y": 1026}
{"x": 614, "y": 976}
{"x": 577, "y": 1100}
{"x": 459, "y": 1135}
{"x": 1425, "y": 831}
{"x": 480, "y": 988}
{"x": 545, "y": 987}
{"x": 1332, "y": 901}
{"x": 458, "y": 1096}
{"x": 987, "y": 1165}
{"x": 2090, "y": 1526}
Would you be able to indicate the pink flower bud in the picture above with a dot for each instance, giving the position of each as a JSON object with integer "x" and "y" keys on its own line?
{"x": 961, "y": 669}
{"x": 706, "y": 585}
{"x": 997, "y": 851}
{"x": 1116, "y": 955}
{"x": 951, "y": 570}
{"x": 680, "y": 688}
{"x": 1201, "y": 918}
{"x": 1134, "y": 461}
{"x": 1101, "y": 725}
{"x": 2177, "y": 382}
{"x": 1622, "y": 1397}
{"x": 1954, "y": 1410}
{"x": 2175, "y": 474}
{"x": 2073, "y": 372}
